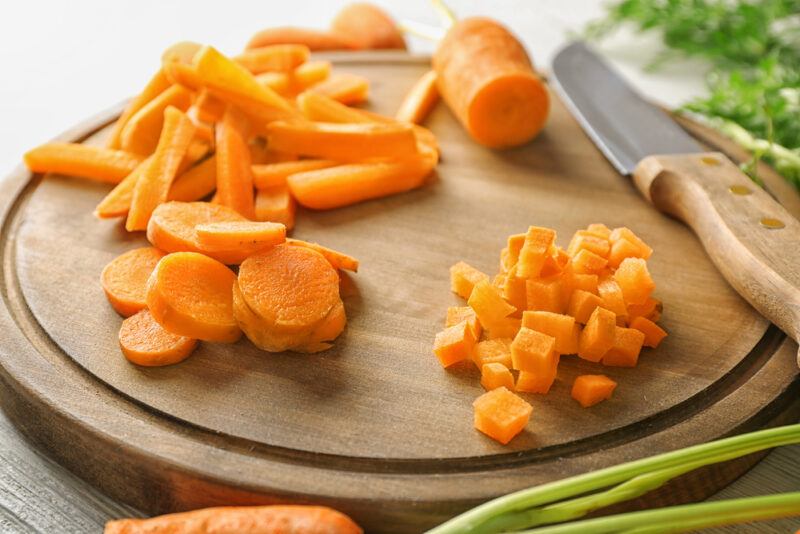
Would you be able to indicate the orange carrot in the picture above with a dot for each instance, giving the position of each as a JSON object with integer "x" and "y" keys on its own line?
{"x": 419, "y": 101}
{"x": 561, "y": 327}
{"x": 234, "y": 176}
{"x": 124, "y": 280}
{"x": 598, "y": 336}
{"x": 463, "y": 278}
{"x": 489, "y": 305}
{"x": 191, "y": 295}
{"x": 456, "y": 314}
{"x": 177, "y": 63}
{"x": 196, "y": 183}
{"x": 653, "y": 334}
{"x": 634, "y": 280}
{"x": 310, "y": 73}
{"x": 544, "y": 295}
{"x": 500, "y": 414}
{"x": 84, "y": 161}
{"x": 313, "y": 39}
{"x": 231, "y": 235}
{"x": 242, "y": 519}
{"x": 145, "y": 342}
{"x": 275, "y": 174}
{"x": 368, "y": 27}
{"x": 487, "y": 79}
{"x": 582, "y": 304}
{"x": 118, "y": 201}
{"x": 157, "y": 85}
{"x": 534, "y": 251}
{"x": 454, "y": 344}
{"x": 343, "y": 87}
{"x": 209, "y": 108}
{"x": 338, "y": 260}
{"x": 495, "y": 375}
{"x": 281, "y": 57}
{"x": 153, "y": 185}
{"x": 492, "y": 350}
{"x": 275, "y": 204}
{"x": 533, "y": 352}
{"x": 277, "y": 81}
{"x": 140, "y": 135}
{"x": 626, "y": 348}
{"x": 588, "y": 390}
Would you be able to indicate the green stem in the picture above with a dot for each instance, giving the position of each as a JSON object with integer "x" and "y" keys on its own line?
{"x": 747, "y": 140}
{"x": 448, "y": 17}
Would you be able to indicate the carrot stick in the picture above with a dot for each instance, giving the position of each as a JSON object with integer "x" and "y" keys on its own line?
{"x": 140, "y": 134}
{"x": 117, "y": 202}
{"x": 343, "y": 142}
{"x": 152, "y": 188}
{"x": 276, "y": 204}
{"x": 231, "y": 235}
{"x": 277, "y": 81}
{"x": 209, "y": 108}
{"x": 84, "y": 161}
{"x": 420, "y": 99}
{"x": 234, "y": 176}
{"x": 337, "y": 259}
{"x": 274, "y": 174}
{"x": 124, "y": 280}
{"x": 487, "y": 79}
{"x": 144, "y": 342}
{"x": 343, "y": 87}
{"x": 196, "y": 183}
{"x": 313, "y": 39}
{"x": 157, "y": 85}
{"x": 310, "y": 73}
{"x": 177, "y": 63}
{"x": 281, "y": 57}
{"x": 368, "y": 27}
{"x": 261, "y": 154}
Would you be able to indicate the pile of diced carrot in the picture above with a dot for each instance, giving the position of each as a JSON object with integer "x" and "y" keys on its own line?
{"x": 593, "y": 299}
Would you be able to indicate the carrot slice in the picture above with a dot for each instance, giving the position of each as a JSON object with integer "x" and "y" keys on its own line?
{"x": 232, "y": 235}
{"x": 280, "y": 57}
{"x": 454, "y": 344}
{"x": 495, "y": 375}
{"x": 500, "y": 414}
{"x": 141, "y": 134}
{"x": 145, "y": 342}
{"x": 191, "y": 295}
{"x": 234, "y": 176}
{"x": 157, "y": 85}
{"x": 589, "y": 390}
{"x": 345, "y": 88}
{"x": 152, "y": 188}
{"x": 419, "y": 101}
{"x": 84, "y": 161}
{"x": 196, "y": 183}
{"x": 124, "y": 279}
{"x": 368, "y": 27}
{"x": 653, "y": 334}
{"x": 338, "y": 260}
{"x": 277, "y": 205}
{"x": 310, "y": 73}
{"x": 275, "y": 174}
{"x": 463, "y": 278}
{"x": 313, "y": 39}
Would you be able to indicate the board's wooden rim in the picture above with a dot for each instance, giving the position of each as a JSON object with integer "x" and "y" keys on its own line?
{"x": 134, "y": 436}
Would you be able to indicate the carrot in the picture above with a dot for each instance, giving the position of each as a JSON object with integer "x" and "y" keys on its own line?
{"x": 157, "y": 85}
{"x": 338, "y": 260}
{"x": 419, "y": 101}
{"x": 277, "y": 205}
{"x": 280, "y": 57}
{"x": 454, "y": 344}
{"x": 152, "y": 187}
{"x": 488, "y": 304}
{"x": 500, "y": 414}
{"x": 634, "y": 280}
{"x": 533, "y": 352}
{"x": 84, "y": 161}
{"x": 232, "y": 235}
{"x": 118, "y": 201}
{"x": 144, "y": 342}
{"x": 313, "y": 39}
{"x": 487, "y": 79}
{"x": 310, "y": 73}
{"x": 275, "y": 174}
{"x": 626, "y": 348}
{"x": 582, "y": 304}
{"x": 586, "y": 240}
{"x": 495, "y": 375}
{"x": 209, "y": 108}
{"x": 242, "y": 519}
{"x": 177, "y": 61}
{"x": 492, "y": 350}
{"x": 561, "y": 327}
{"x": 140, "y": 135}
{"x": 535, "y": 249}
{"x": 277, "y": 81}
{"x": 196, "y": 183}
{"x": 653, "y": 334}
{"x": 456, "y": 314}
{"x": 588, "y": 390}
{"x": 368, "y": 27}
{"x": 344, "y": 88}
{"x": 544, "y": 295}
{"x": 587, "y": 262}
{"x": 234, "y": 176}
{"x": 191, "y": 295}
{"x": 463, "y": 278}
{"x": 598, "y": 335}
{"x": 124, "y": 279}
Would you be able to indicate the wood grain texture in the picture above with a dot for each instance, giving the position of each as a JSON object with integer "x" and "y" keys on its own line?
{"x": 374, "y": 427}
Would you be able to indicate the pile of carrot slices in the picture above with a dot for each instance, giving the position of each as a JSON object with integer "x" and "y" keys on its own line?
{"x": 593, "y": 299}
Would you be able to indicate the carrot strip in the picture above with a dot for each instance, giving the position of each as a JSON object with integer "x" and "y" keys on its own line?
{"x": 281, "y": 57}
{"x": 145, "y": 342}
{"x": 209, "y": 108}
{"x": 368, "y": 27}
{"x": 277, "y": 205}
{"x": 118, "y": 201}
{"x": 310, "y": 73}
{"x": 177, "y": 63}
{"x": 124, "y": 279}
{"x": 234, "y": 176}
{"x": 420, "y": 99}
{"x": 277, "y": 81}
{"x": 231, "y": 235}
{"x": 141, "y": 133}
{"x": 196, "y": 183}
{"x": 152, "y": 188}
{"x": 84, "y": 161}
{"x": 261, "y": 154}
{"x": 275, "y": 174}
{"x": 343, "y": 87}
{"x": 337, "y": 259}
{"x": 313, "y": 39}
{"x": 157, "y": 85}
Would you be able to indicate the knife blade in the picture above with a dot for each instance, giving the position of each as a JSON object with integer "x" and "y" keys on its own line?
{"x": 753, "y": 240}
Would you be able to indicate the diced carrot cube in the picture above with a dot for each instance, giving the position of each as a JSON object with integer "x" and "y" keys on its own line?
{"x": 533, "y": 252}
{"x": 554, "y": 263}
{"x": 492, "y": 351}
{"x": 588, "y": 390}
{"x": 611, "y": 294}
{"x": 537, "y": 382}
{"x": 586, "y": 282}
{"x": 454, "y": 344}
{"x": 499, "y": 281}
{"x": 626, "y": 348}
{"x": 514, "y": 290}
{"x": 500, "y": 414}
{"x": 463, "y": 278}
{"x": 495, "y": 375}
{"x": 506, "y": 327}
{"x": 585, "y": 240}
{"x": 587, "y": 262}
{"x": 544, "y": 295}
{"x": 561, "y": 327}
{"x": 505, "y": 261}
{"x": 646, "y": 309}
{"x": 653, "y": 334}
{"x": 515, "y": 243}
{"x": 598, "y": 335}
{"x": 456, "y": 314}
{"x": 624, "y": 233}
{"x": 598, "y": 230}
{"x": 634, "y": 280}
{"x": 622, "y": 249}
{"x": 489, "y": 305}
{"x": 533, "y": 351}
{"x": 582, "y": 304}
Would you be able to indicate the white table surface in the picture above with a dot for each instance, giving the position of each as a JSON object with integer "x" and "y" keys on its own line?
{"x": 64, "y": 61}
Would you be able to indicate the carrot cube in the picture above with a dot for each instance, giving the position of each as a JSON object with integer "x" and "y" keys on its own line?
{"x": 463, "y": 278}
{"x": 634, "y": 280}
{"x": 500, "y": 414}
{"x": 456, "y": 314}
{"x": 582, "y": 304}
{"x": 544, "y": 295}
{"x": 587, "y": 262}
{"x": 626, "y": 348}
{"x": 585, "y": 240}
{"x": 598, "y": 230}
{"x": 492, "y": 351}
{"x": 505, "y": 261}
{"x": 515, "y": 243}
{"x": 533, "y": 351}
{"x": 588, "y": 390}
{"x": 554, "y": 263}
{"x": 488, "y": 304}
{"x": 533, "y": 252}
{"x": 507, "y": 327}
{"x": 611, "y": 294}
{"x": 560, "y": 327}
{"x": 537, "y": 382}
{"x": 495, "y": 375}
{"x": 499, "y": 281}
{"x": 647, "y": 309}
{"x": 653, "y": 334}
{"x": 598, "y": 336}
{"x": 624, "y": 233}
{"x": 514, "y": 290}
{"x": 454, "y": 344}
{"x": 622, "y": 249}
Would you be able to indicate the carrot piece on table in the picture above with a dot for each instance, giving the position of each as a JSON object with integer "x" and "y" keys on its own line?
{"x": 232, "y": 235}
{"x": 488, "y": 304}
{"x": 496, "y": 350}
{"x": 209, "y": 108}
{"x": 145, "y": 342}
{"x": 598, "y": 335}
{"x": 505, "y": 327}
{"x": 544, "y": 295}
{"x": 626, "y": 348}
{"x": 277, "y": 81}
{"x": 313, "y": 39}
{"x": 533, "y": 351}
{"x": 582, "y": 304}
{"x": 634, "y": 280}
{"x": 463, "y": 278}
{"x": 534, "y": 250}
{"x": 124, "y": 279}
{"x": 275, "y": 204}
{"x": 585, "y": 282}
{"x": 191, "y": 295}
{"x": 515, "y": 291}
{"x": 196, "y": 183}
{"x": 318, "y": 107}
{"x": 344, "y": 88}
{"x": 118, "y": 201}
{"x": 589, "y": 390}
{"x": 280, "y": 57}
{"x": 611, "y": 294}
{"x": 152, "y": 187}
{"x": 456, "y": 314}
{"x": 310, "y": 73}
{"x": 234, "y": 175}
{"x": 538, "y": 382}
{"x": 485, "y": 76}
{"x": 274, "y": 174}
{"x": 338, "y": 260}
{"x": 250, "y": 519}
{"x": 157, "y": 85}
{"x": 454, "y": 344}
{"x": 621, "y": 249}
{"x": 647, "y": 309}
{"x": 82, "y": 161}
{"x": 419, "y": 101}
{"x": 598, "y": 230}
{"x": 587, "y": 262}
{"x": 587, "y": 240}
{"x": 495, "y": 375}
{"x": 515, "y": 244}
{"x": 261, "y": 154}
{"x": 142, "y": 132}
{"x": 561, "y": 327}
{"x": 500, "y": 414}
{"x": 625, "y": 233}
{"x": 555, "y": 263}
{"x": 653, "y": 334}
{"x": 368, "y": 27}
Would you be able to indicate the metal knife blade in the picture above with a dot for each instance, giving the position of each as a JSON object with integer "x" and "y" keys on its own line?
{"x": 624, "y": 126}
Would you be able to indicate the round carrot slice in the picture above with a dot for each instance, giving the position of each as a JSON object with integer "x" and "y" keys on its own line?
{"x": 238, "y": 234}
{"x": 191, "y": 295}
{"x": 124, "y": 280}
{"x": 144, "y": 342}
{"x": 328, "y": 330}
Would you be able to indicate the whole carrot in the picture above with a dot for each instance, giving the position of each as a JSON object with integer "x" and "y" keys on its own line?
{"x": 368, "y": 27}
{"x": 313, "y": 39}
{"x": 487, "y": 79}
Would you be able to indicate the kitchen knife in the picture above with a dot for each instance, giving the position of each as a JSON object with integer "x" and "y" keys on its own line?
{"x": 753, "y": 240}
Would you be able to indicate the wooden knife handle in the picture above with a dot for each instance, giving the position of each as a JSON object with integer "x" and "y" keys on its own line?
{"x": 753, "y": 240}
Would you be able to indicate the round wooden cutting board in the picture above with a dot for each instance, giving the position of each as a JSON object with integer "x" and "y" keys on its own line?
{"x": 374, "y": 427}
